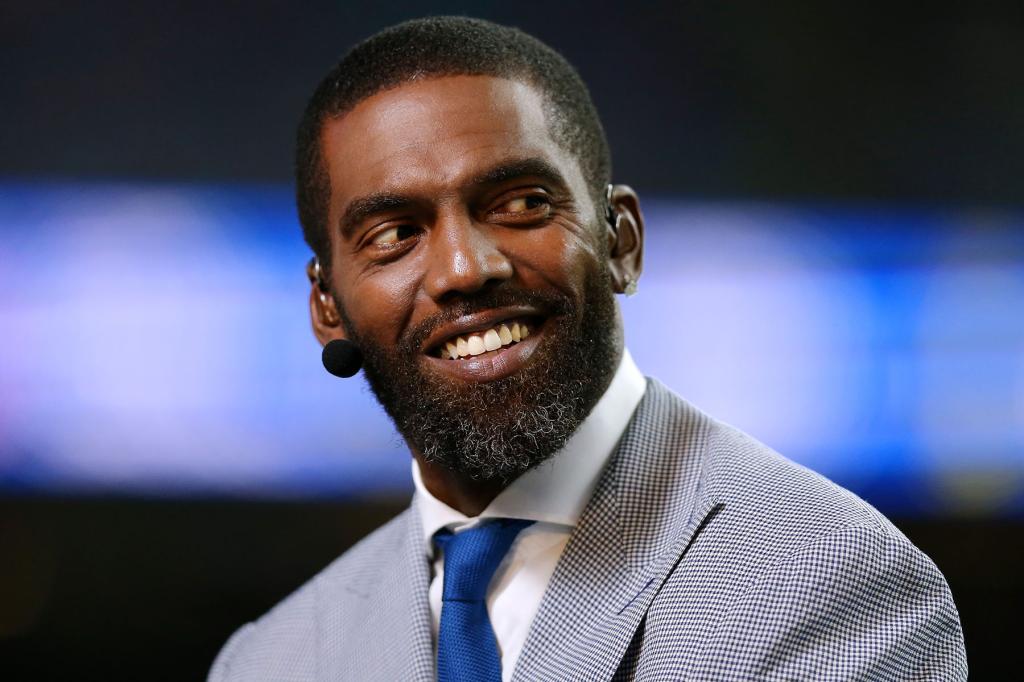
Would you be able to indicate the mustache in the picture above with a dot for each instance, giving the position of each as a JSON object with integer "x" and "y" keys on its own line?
{"x": 549, "y": 304}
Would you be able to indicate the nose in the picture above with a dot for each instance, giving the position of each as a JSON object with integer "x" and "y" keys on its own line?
{"x": 465, "y": 258}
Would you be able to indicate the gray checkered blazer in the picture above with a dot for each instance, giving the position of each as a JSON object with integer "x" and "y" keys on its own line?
{"x": 702, "y": 555}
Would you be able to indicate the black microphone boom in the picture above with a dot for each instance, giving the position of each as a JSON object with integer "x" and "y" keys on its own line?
{"x": 342, "y": 358}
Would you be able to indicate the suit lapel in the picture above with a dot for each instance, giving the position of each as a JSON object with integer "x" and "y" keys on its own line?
{"x": 648, "y": 504}
{"x": 381, "y": 631}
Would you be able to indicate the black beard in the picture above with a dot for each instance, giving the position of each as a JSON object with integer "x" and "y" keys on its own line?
{"x": 499, "y": 429}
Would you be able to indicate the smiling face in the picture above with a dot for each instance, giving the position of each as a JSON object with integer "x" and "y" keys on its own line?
{"x": 471, "y": 265}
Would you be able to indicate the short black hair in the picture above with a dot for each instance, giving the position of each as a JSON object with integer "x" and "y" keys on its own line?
{"x": 436, "y": 47}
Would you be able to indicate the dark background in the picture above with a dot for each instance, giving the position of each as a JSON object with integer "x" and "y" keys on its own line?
{"x": 915, "y": 103}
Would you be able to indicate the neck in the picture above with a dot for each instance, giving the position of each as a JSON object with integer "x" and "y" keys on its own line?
{"x": 458, "y": 491}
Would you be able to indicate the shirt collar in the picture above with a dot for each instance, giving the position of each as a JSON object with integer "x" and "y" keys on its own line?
{"x": 555, "y": 491}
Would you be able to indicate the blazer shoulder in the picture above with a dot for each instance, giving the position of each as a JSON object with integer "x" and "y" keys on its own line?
{"x": 780, "y": 543}
{"x": 279, "y": 645}
{"x": 765, "y": 504}
{"x": 788, "y": 501}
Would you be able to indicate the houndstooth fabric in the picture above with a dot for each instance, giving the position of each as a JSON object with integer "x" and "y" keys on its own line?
{"x": 702, "y": 555}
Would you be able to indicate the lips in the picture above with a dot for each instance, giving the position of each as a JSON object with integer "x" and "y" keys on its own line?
{"x": 485, "y": 346}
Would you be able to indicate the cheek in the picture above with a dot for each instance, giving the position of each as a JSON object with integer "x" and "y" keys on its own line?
{"x": 379, "y": 304}
{"x": 556, "y": 257}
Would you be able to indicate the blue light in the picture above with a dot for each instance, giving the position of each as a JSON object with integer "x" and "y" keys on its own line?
{"x": 155, "y": 340}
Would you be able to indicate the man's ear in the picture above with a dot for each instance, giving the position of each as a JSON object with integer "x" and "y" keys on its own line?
{"x": 625, "y": 238}
{"x": 323, "y": 309}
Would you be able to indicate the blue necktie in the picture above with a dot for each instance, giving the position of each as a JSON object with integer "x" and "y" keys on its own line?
{"x": 466, "y": 648}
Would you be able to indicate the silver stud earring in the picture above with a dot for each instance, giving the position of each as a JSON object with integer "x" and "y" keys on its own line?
{"x": 631, "y": 287}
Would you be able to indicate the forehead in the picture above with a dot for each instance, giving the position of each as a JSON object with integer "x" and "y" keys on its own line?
{"x": 432, "y": 135}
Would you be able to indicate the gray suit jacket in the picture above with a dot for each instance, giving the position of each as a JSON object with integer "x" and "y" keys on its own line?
{"x": 702, "y": 555}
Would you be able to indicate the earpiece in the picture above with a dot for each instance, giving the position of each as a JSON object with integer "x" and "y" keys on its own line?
{"x": 316, "y": 274}
{"x": 629, "y": 287}
{"x": 609, "y": 211}
{"x": 316, "y": 277}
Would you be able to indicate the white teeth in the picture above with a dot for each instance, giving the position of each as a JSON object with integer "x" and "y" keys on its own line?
{"x": 482, "y": 342}
{"x": 476, "y": 345}
{"x": 504, "y": 335}
{"x": 491, "y": 340}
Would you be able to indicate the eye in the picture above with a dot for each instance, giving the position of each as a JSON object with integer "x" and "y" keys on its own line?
{"x": 393, "y": 235}
{"x": 527, "y": 208}
{"x": 524, "y": 204}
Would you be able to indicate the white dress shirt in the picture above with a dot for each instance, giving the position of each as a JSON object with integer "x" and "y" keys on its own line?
{"x": 552, "y": 494}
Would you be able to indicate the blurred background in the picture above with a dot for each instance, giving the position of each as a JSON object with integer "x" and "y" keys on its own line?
{"x": 835, "y": 265}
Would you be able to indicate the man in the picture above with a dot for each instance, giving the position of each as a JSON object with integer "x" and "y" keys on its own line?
{"x": 571, "y": 520}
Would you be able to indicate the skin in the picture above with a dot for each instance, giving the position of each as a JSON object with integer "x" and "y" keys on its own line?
{"x": 418, "y": 219}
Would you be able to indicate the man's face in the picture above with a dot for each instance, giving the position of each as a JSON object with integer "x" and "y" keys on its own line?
{"x": 456, "y": 225}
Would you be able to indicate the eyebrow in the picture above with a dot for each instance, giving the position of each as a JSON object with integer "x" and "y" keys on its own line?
{"x": 511, "y": 170}
{"x": 363, "y": 207}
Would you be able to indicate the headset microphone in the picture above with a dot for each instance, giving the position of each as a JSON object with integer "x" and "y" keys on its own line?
{"x": 342, "y": 358}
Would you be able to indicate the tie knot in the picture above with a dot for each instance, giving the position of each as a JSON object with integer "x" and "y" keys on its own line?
{"x": 472, "y": 556}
